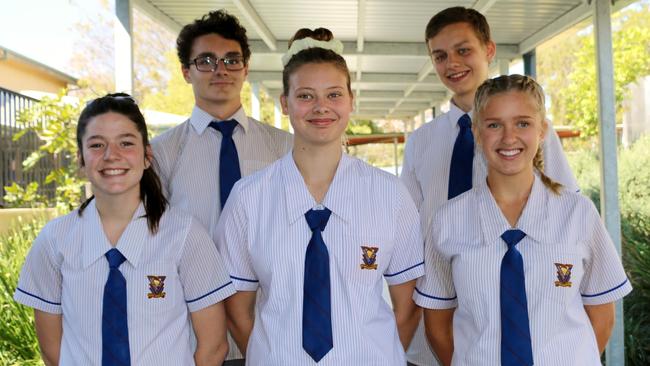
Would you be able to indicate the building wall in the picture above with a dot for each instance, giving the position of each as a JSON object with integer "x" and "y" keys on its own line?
{"x": 636, "y": 115}
{"x": 17, "y": 76}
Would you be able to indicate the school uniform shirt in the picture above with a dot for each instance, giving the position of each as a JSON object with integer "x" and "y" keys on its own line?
{"x": 425, "y": 172}
{"x": 188, "y": 160}
{"x": 563, "y": 233}
{"x": 263, "y": 236}
{"x": 66, "y": 270}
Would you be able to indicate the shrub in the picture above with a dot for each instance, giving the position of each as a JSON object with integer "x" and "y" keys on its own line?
{"x": 18, "y": 343}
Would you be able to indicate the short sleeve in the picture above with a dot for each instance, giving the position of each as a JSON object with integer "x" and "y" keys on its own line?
{"x": 407, "y": 261}
{"x": 232, "y": 242}
{"x": 40, "y": 283}
{"x": 408, "y": 176}
{"x": 435, "y": 290}
{"x": 202, "y": 271}
{"x": 556, "y": 165}
{"x": 604, "y": 280}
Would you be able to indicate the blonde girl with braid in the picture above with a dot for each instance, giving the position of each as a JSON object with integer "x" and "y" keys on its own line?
{"x": 519, "y": 270}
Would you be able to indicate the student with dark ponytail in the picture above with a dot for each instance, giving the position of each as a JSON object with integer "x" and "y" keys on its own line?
{"x": 113, "y": 282}
{"x": 318, "y": 232}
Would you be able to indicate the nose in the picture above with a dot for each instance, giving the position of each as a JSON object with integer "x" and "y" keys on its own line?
{"x": 320, "y": 106}
{"x": 509, "y": 134}
{"x": 453, "y": 58}
{"x": 220, "y": 67}
{"x": 111, "y": 152}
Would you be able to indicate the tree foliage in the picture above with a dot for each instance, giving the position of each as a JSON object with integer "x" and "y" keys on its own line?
{"x": 570, "y": 77}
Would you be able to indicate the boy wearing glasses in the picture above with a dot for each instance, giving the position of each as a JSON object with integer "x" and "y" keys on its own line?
{"x": 200, "y": 160}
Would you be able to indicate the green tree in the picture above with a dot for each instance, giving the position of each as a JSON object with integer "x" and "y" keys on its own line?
{"x": 57, "y": 130}
{"x": 570, "y": 77}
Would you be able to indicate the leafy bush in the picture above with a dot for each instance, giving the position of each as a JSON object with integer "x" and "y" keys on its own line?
{"x": 18, "y": 343}
{"x": 634, "y": 196}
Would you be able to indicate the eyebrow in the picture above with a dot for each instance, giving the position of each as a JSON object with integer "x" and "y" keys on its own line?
{"x": 100, "y": 137}
{"x": 456, "y": 45}
{"x": 211, "y": 54}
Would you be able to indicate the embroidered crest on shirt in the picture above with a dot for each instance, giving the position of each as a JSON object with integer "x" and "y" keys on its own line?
{"x": 563, "y": 275}
{"x": 156, "y": 287}
{"x": 369, "y": 257}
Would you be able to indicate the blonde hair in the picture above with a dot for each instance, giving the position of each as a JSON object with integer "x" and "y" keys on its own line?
{"x": 522, "y": 84}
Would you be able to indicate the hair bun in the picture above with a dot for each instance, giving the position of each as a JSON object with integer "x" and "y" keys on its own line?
{"x": 319, "y": 34}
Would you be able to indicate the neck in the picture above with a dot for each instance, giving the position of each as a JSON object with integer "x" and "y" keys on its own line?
{"x": 220, "y": 111}
{"x": 317, "y": 165}
{"x": 464, "y": 102}
{"x": 511, "y": 193}
{"x": 116, "y": 213}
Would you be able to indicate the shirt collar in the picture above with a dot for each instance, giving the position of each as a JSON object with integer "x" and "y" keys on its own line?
{"x": 200, "y": 119}
{"x": 532, "y": 220}
{"x": 95, "y": 243}
{"x": 455, "y": 113}
{"x": 299, "y": 200}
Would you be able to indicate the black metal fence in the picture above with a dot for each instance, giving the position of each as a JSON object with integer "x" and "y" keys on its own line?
{"x": 13, "y": 153}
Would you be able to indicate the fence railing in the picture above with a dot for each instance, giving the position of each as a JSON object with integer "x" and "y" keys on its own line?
{"x": 13, "y": 153}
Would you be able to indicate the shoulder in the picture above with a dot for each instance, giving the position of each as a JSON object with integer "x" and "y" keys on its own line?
{"x": 572, "y": 204}
{"x": 171, "y": 135}
{"x": 271, "y": 131}
{"x": 266, "y": 177}
{"x": 424, "y": 133}
{"x": 461, "y": 210}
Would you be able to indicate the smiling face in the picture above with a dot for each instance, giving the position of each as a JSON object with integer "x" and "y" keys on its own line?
{"x": 318, "y": 104}
{"x": 461, "y": 60}
{"x": 113, "y": 157}
{"x": 220, "y": 88}
{"x": 509, "y": 129}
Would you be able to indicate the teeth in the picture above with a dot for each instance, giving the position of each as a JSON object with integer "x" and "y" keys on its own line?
{"x": 510, "y": 152}
{"x": 457, "y": 75}
{"x": 113, "y": 171}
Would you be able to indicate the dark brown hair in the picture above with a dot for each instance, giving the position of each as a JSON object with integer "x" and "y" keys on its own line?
{"x": 459, "y": 14}
{"x": 151, "y": 192}
{"x": 525, "y": 85}
{"x": 313, "y": 55}
{"x": 215, "y": 22}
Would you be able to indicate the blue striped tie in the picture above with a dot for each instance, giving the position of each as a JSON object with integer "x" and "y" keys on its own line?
{"x": 229, "y": 172}
{"x": 516, "y": 347}
{"x": 462, "y": 158}
{"x": 115, "y": 330}
{"x": 317, "y": 301}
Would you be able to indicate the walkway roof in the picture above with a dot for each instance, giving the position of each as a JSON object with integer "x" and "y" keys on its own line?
{"x": 384, "y": 39}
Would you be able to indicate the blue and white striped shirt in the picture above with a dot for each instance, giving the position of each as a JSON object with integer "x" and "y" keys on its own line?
{"x": 263, "y": 236}
{"x": 464, "y": 252}
{"x": 65, "y": 273}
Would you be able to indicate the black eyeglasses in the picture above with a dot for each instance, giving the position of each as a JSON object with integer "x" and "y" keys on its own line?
{"x": 210, "y": 63}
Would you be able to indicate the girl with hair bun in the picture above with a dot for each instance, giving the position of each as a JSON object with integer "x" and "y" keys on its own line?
{"x": 520, "y": 271}
{"x": 117, "y": 281}
{"x": 317, "y": 233}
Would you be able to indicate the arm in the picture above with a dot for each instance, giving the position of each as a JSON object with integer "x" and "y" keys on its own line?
{"x": 240, "y": 308}
{"x": 602, "y": 320}
{"x": 49, "y": 330}
{"x": 407, "y": 314}
{"x": 210, "y": 328}
{"x": 438, "y": 325}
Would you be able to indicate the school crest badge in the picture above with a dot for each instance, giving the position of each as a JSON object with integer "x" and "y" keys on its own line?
{"x": 369, "y": 257}
{"x": 156, "y": 287}
{"x": 563, "y": 275}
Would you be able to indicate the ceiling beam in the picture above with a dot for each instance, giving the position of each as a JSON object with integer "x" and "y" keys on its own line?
{"x": 157, "y": 15}
{"x": 482, "y": 6}
{"x": 258, "y": 24}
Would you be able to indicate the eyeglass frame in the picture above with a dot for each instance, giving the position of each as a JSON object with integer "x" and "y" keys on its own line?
{"x": 217, "y": 60}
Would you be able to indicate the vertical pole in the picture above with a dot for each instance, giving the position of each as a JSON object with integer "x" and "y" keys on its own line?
{"x": 255, "y": 101}
{"x": 504, "y": 66}
{"x": 608, "y": 165}
{"x": 277, "y": 115}
{"x": 123, "y": 30}
{"x": 530, "y": 64}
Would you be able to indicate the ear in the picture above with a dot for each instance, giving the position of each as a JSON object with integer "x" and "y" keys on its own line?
{"x": 491, "y": 49}
{"x": 246, "y": 70}
{"x": 186, "y": 74}
{"x": 148, "y": 157}
{"x": 283, "y": 103}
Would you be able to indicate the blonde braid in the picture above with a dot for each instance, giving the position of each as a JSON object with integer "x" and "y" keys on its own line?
{"x": 538, "y": 163}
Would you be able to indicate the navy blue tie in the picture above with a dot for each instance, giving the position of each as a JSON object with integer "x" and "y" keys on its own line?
{"x": 460, "y": 170}
{"x": 229, "y": 172}
{"x": 317, "y": 303}
{"x": 115, "y": 330}
{"x": 516, "y": 347}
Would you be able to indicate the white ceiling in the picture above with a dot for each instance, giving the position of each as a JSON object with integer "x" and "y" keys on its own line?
{"x": 392, "y": 75}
